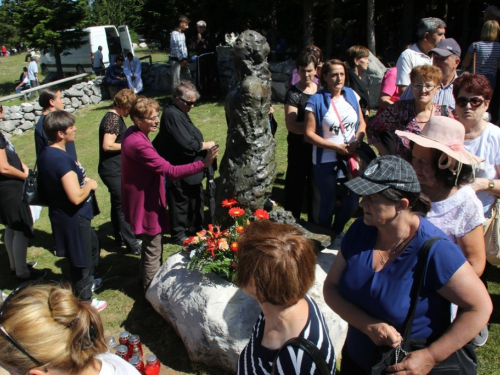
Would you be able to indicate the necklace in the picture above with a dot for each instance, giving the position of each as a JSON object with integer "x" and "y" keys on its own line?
{"x": 430, "y": 114}
{"x": 281, "y": 319}
{"x": 399, "y": 247}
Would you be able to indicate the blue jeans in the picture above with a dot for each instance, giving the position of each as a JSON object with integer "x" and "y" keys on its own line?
{"x": 326, "y": 192}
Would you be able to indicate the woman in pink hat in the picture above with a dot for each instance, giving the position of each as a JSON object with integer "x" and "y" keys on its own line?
{"x": 445, "y": 170}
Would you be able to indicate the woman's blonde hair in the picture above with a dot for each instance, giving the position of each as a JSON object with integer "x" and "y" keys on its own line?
{"x": 489, "y": 32}
{"x": 428, "y": 73}
{"x": 124, "y": 98}
{"x": 53, "y": 327}
{"x": 143, "y": 107}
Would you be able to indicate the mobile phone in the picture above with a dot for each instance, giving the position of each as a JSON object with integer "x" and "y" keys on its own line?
{"x": 214, "y": 147}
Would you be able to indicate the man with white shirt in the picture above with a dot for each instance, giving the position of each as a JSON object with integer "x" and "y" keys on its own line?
{"x": 446, "y": 56}
{"x": 98, "y": 61}
{"x": 178, "y": 50}
{"x": 430, "y": 32}
{"x": 33, "y": 71}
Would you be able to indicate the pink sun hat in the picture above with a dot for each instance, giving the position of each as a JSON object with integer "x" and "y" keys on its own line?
{"x": 444, "y": 134}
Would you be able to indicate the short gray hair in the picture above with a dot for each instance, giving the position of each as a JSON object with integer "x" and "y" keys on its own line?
{"x": 183, "y": 88}
{"x": 429, "y": 25}
{"x": 34, "y": 58}
{"x": 201, "y": 24}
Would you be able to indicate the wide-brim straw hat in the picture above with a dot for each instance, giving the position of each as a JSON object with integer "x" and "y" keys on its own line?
{"x": 444, "y": 134}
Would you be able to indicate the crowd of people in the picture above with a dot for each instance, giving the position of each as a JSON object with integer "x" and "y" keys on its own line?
{"x": 425, "y": 200}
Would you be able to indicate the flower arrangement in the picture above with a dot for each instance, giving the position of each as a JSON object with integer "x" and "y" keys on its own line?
{"x": 214, "y": 250}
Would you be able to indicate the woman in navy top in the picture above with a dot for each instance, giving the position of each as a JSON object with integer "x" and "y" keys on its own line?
{"x": 68, "y": 190}
{"x": 276, "y": 266}
{"x": 371, "y": 278}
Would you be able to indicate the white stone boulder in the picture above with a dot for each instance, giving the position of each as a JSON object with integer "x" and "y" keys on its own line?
{"x": 215, "y": 318}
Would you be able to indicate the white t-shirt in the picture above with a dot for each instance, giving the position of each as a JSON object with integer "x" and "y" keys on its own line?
{"x": 487, "y": 146}
{"x": 114, "y": 365}
{"x": 32, "y": 69}
{"x": 331, "y": 127}
{"x": 97, "y": 59}
{"x": 410, "y": 58}
{"x": 457, "y": 215}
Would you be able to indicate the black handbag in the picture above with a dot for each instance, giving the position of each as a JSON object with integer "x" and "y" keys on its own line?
{"x": 308, "y": 347}
{"x": 461, "y": 362}
{"x": 32, "y": 194}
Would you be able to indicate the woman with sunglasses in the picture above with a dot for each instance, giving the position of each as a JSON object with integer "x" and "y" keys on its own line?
{"x": 143, "y": 183}
{"x": 180, "y": 142}
{"x": 46, "y": 330}
{"x": 408, "y": 115}
{"x": 472, "y": 97}
{"x": 15, "y": 215}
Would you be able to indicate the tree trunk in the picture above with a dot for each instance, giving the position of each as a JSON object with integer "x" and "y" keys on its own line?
{"x": 329, "y": 31}
{"x": 57, "y": 56}
{"x": 407, "y": 25}
{"x": 308, "y": 23}
{"x": 370, "y": 26}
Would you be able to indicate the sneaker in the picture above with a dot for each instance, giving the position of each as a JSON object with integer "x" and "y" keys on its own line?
{"x": 99, "y": 305}
{"x": 98, "y": 283}
{"x": 338, "y": 240}
{"x": 481, "y": 337}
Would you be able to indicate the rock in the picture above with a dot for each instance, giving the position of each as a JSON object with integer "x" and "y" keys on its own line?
{"x": 27, "y": 107}
{"x": 27, "y": 125}
{"x": 67, "y": 101}
{"x": 215, "y": 318}
{"x": 6, "y": 109}
{"x": 73, "y": 93}
{"x": 276, "y": 67}
{"x": 37, "y": 118}
{"x": 6, "y": 116}
{"x": 279, "y": 91}
{"x": 29, "y": 116}
{"x": 85, "y": 99}
{"x": 143, "y": 45}
{"x": 7, "y": 135}
{"x": 288, "y": 68}
{"x": 373, "y": 77}
{"x": 95, "y": 99}
{"x": 134, "y": 46}
{"x": 16, "y": 116}
{"x": 78, "y": 86}
{"x": 18, "y": 131}
{"x": 96, "y": 89}
{"x": 75, "y": 103}
{"x": 70, "y": 109}
{"x": 38, "y": 113}
{"x": 7, "y": 126}
{"x": 37, "y": 106}
{"x": 280, "y": 77}
{"x": 88, "y": 91}
{"x": 15, "y": 108}
{"x": 224, "y": 53}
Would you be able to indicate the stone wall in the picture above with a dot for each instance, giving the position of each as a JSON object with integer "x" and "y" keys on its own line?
{"x": 18, "y": 119}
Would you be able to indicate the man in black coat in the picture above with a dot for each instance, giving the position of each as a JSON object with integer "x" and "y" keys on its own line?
{"x": 180, "y": 142}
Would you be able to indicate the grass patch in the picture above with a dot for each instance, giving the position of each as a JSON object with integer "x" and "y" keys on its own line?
{"x": 122, "y": 288}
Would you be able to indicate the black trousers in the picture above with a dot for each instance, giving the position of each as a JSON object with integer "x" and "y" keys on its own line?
{"x": 121, "y": 228}
{"x": 185, "y": 208}
{"x": 298, "y": 180}
{"x": 82, "y": 278}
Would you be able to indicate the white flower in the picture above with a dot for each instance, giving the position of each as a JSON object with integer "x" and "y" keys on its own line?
{"x": 192, "y": 254}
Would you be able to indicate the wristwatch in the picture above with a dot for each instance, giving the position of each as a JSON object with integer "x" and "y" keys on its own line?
{"x": 491, "y": 184}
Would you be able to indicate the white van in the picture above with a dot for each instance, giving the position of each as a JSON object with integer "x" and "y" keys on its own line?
{"x": 114, "y": 42}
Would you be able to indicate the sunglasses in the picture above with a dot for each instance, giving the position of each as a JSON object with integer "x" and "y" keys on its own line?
{"x": 152, "y": 118}
{"x": 474, "y": 102}
{"x": 189, "y": 103}
{"x": 6, "y": 334}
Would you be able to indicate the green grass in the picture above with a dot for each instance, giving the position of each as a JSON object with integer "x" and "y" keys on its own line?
{"x": 122, "y": 287}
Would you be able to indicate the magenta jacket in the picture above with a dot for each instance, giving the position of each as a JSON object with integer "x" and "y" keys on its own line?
{"x": 143, "y": 189}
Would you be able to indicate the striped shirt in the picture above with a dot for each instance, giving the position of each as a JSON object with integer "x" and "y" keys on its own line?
{"x": 487, "y": 56}
{"x": 178, "y": 45}
{"x": 443, "y": 97}
{"x": 258, "y": 360}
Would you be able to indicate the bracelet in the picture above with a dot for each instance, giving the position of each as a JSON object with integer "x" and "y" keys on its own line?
{"x": 491, "y": 184}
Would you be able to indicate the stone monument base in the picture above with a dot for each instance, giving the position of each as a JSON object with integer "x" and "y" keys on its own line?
{"x": 215, "y": 318}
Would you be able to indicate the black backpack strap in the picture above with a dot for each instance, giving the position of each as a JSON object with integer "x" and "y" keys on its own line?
{"x": 310, "y": 349}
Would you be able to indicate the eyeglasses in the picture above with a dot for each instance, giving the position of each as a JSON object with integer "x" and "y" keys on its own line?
{"x": 474, "y": 102}
{"x": 152, "y": 118}
{"x": 6, "y": 334}
{"x": 427, "y": 86}
{"x": 189, "y": 103}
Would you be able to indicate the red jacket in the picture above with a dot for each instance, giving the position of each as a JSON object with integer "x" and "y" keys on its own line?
{"x": 143, "y": 189}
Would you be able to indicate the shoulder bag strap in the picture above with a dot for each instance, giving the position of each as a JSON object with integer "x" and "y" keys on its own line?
{"x": 417, "y": 284}
{"x": 474, "y": 59}
{"x": 309, "y": 348}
